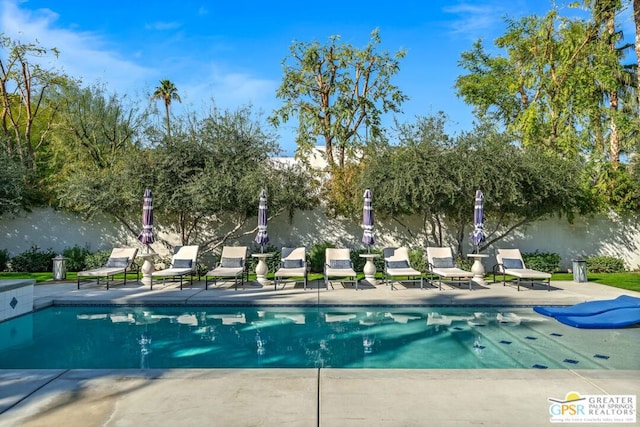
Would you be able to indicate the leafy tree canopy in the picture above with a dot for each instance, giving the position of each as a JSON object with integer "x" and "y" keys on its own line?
{"x": 436, "y": 176}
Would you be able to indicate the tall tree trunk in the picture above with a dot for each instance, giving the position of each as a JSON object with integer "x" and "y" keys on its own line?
{"x": 166, "y": 107}
{"x": 636, "y": 19}
{"x": 614, "y": 135}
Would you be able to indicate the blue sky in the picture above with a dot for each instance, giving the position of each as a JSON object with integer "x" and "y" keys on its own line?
{"x": 231, "y": 52}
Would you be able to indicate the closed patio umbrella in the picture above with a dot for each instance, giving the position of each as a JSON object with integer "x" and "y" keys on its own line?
{"x": 367, "y": 220}
{"x": 477, "y": 236}
{"x": 262, "y": 238}
{"x": 146, "y": 237}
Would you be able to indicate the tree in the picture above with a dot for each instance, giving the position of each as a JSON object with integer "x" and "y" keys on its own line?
{"x": 166, "y": 92}
{"x": 436, "y": 176}
{"x": 559, "y": 84}
{"x": 206, "y": 179}
{"x": 614, "y": 81}
{"x": 28, "y": 108}
{"x": 12, "y": 191}
{"x": 335, "y": 90}
{"x": 95, "y": 127}
{"x": 101, "y": 166}
{"x": 636, "y": 20}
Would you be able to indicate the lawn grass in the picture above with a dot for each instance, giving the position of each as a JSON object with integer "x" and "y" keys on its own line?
{"x": 629, "y": 280}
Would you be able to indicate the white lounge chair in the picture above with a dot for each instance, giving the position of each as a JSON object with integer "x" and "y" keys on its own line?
{"x": 509, "y": 262}
{"x": 396, "y": 264}
{"x": 440, "y": 263}
{"x": 120, "y": 261}
{"x": 183, "y": 263}
{"x": 233, "y": 263}
{"x": 293, "y": 264}
{"x": 338, "y": 264}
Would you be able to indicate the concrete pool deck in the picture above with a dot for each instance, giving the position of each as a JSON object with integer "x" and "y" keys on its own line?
{"x": 303, "y": 397}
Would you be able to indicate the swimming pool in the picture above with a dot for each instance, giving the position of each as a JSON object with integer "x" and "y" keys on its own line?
{"x": 116, "y": 337}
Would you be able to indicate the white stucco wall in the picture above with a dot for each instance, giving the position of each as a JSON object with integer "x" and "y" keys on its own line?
{"x": 52, "y": 229}
{"x": 48, "y": 228}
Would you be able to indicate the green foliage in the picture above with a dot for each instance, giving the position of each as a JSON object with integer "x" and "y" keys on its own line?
{"x": 4, "y": 259}
{"x": 12, "y": 188}
{"x": 97, "y": 259}
{"x": 208, "y": 174}
{"x": 605, "y": 264}
{"x": 541, "y": 86}
{"x": 76, "y": 257}
{"x": 417, "y": 259}
{"x": 542, "y": 261}
{"x": 560, "y": 84}
{"x": 464, "y": 263}
{"x": 336, "y": 89}
{"x": 617, "y": 189}
{"x": 30, "y": 104}
{"x": 317, "y": 256}
{"x": 435, "y": 176}
{"x": 33, "y": 260}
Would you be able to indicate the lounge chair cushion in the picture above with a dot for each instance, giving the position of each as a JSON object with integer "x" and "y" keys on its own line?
{"x": 512, "y": 263}
{"x": 398, "y": 264}
{"x": 446, "y": 262}
{"x": 118, "y": 262}
{"x": 340, "y": 263}
{"x": 182, "y": 263}
{"x": 231, "y": 262}
{"x": 292, "y": 263}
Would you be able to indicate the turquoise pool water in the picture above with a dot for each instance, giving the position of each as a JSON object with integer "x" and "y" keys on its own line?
{"x": 297, "y": 337}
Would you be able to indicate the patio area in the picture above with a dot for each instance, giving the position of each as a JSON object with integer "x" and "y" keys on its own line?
{"x": 302, "y": 397}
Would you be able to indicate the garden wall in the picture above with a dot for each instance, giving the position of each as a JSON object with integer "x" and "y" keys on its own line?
{"x": 601, "y": 235}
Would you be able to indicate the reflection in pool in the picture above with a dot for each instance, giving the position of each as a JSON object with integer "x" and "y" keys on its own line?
{"x": 308, "y": 337}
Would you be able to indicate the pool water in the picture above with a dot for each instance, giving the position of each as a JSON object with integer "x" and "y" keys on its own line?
{"x": 308, "y": 337}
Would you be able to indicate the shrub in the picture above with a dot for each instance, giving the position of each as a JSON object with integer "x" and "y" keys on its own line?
{"x": 417, "y": 259}
{"x": 96, "y": 259}
{"x": 317, "y": 256}
{"x": 542, "y": 261}
{"x": 605, "y": 264}
{"x": 76, "y": 257}
{"x": 464, "y": 263}
{"x": 33, "y": 261}
{"x": 4, "y": 259}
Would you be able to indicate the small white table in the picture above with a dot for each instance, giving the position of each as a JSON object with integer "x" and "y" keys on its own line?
{"x": 147, "y": 267}
{"x": 369, "y": 269}
{"x": 477, "y": 268}
{"x": 262, "y": 268}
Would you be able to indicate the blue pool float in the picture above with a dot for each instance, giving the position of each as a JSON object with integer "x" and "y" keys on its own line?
{"x": 618, "y": 318}
{"x": 590, "y": 308}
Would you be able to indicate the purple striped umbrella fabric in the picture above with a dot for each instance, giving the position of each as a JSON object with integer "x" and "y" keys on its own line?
{"x": 367, "y": 220}
{"x": 146, "y": 237}
{"x": 477, "y": 236}
{"x": 262, "y": 238}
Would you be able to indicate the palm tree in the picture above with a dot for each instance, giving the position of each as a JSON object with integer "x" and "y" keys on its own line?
{"x": 166, "y": 92}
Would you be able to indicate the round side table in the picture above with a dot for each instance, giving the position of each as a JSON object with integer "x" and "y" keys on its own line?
{"x": 147, "y": 267}
{"x": 369, "y": 269}
{"x": 261, "y": 268}
{"x": 477, "y": 268}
